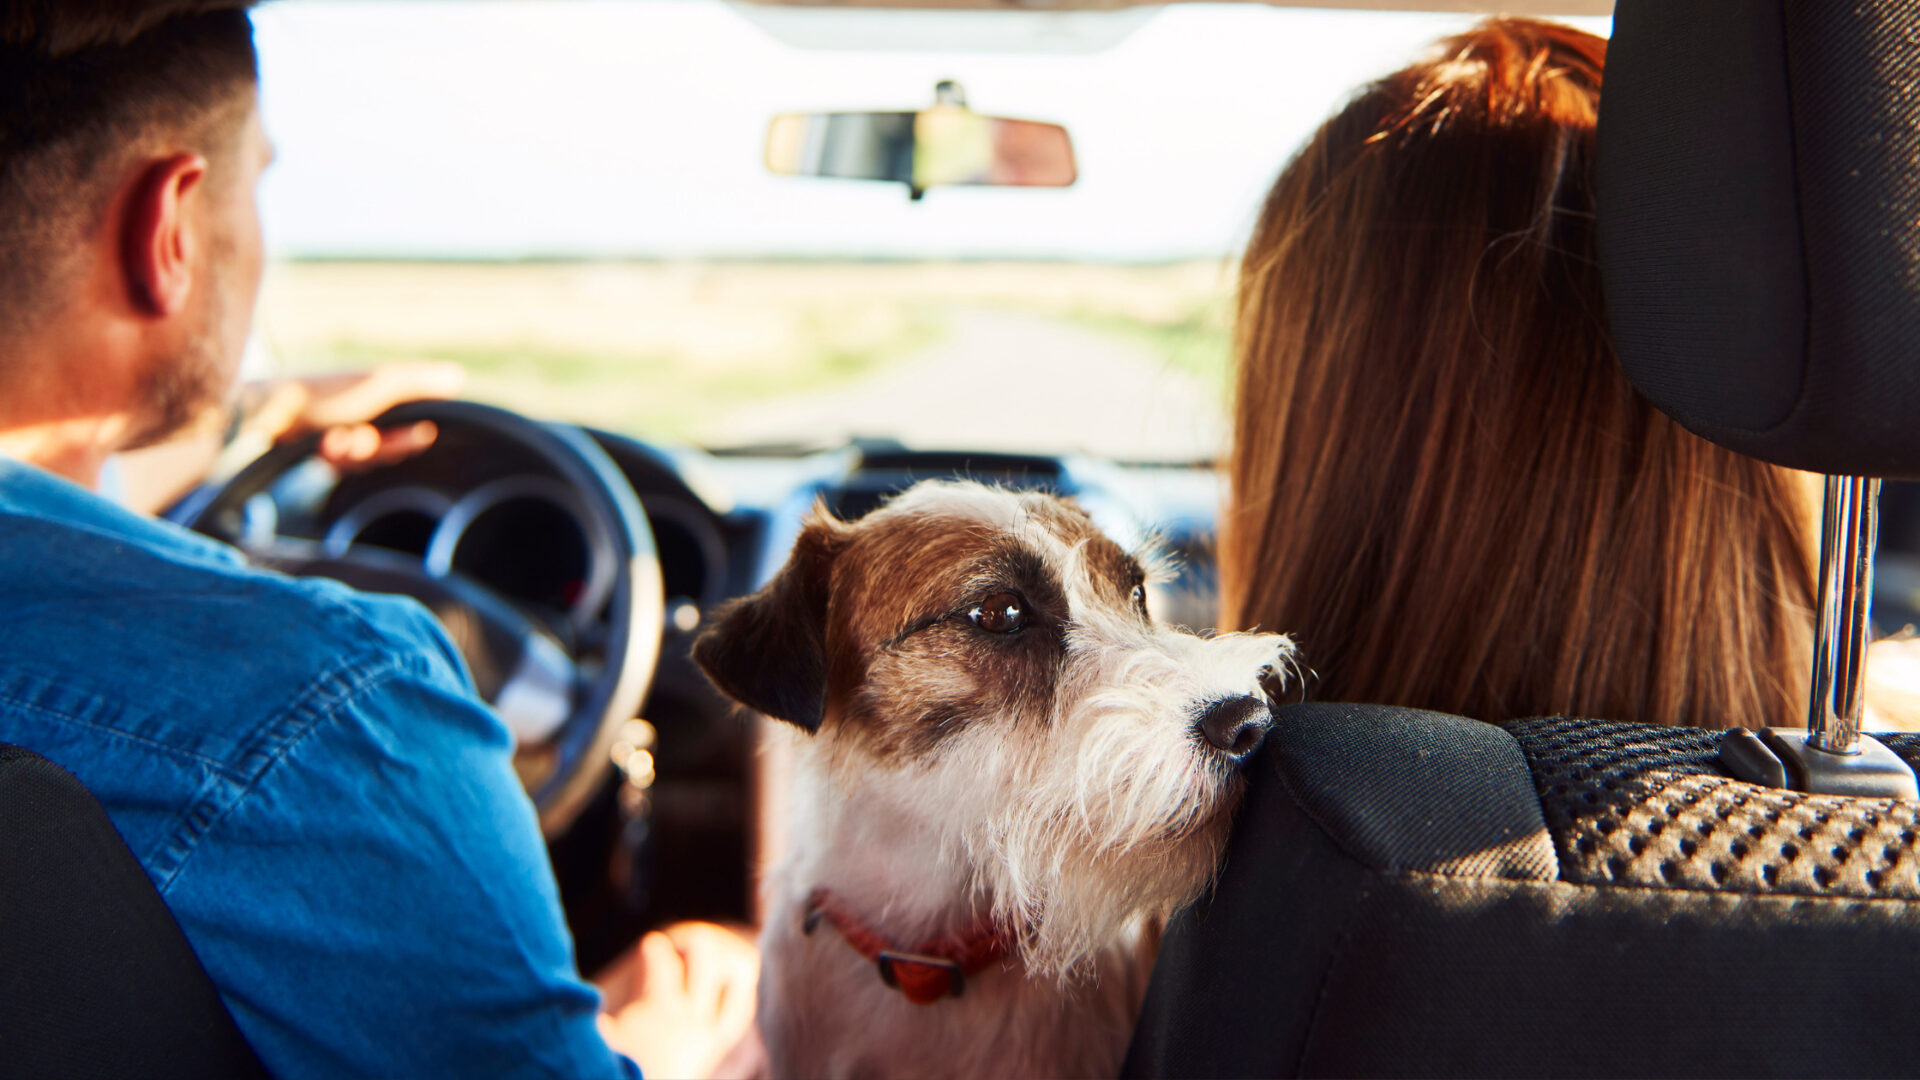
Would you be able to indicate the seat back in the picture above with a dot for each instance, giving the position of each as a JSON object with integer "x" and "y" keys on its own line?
{"x": 1414, "y": 894}
{"x": 97, "y": 980}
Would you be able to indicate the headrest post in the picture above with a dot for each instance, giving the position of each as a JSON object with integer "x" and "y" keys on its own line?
{"x": 1831, "y": 756}
{"x": 1850, "y": 524}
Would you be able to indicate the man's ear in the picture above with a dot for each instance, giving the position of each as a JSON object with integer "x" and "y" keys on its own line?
{"x": 768, "y": 651}
{"x": 157, "y": 239}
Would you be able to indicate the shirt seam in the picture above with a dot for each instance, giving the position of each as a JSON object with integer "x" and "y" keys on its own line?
{"x": 320, "y": 700}
{"x": 239, "y": 766}
{"x": 67, "y": 717}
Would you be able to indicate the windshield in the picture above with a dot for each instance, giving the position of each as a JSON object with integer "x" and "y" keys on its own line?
{"x": 569, "y": 199}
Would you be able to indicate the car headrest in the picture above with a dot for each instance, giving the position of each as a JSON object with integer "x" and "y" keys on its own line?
{"x": 1758, "y": 192}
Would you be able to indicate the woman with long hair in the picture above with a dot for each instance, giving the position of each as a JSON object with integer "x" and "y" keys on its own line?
{"x": 1441, "y": 481}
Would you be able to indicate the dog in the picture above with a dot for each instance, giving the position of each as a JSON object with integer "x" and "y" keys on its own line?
{"x": 1006, "y": 776}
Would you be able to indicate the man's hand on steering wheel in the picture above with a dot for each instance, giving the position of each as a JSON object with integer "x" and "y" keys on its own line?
{"x": 342, "y": 405}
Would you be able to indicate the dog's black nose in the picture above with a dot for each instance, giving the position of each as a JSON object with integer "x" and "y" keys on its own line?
{"x": 1235, "y": 725}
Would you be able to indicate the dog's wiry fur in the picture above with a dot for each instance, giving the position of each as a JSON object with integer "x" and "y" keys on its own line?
{"x": 1052, "y": 777}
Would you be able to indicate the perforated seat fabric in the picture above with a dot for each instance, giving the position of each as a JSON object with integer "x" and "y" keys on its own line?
{"x": 96, "y": 979}
{"x": 1373, "y": 920}
{"x": 1629, "y": 804}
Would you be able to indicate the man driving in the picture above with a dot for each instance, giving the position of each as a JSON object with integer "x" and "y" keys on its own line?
{"x": 303, "y": 771}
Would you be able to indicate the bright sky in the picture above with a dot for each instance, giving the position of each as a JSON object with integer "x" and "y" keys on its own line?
{"x": 511, "y": 128}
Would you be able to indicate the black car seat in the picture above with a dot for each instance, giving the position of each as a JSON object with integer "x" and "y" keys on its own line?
{"x": 96, "y": 979}
{"x": 1413, "y": 894}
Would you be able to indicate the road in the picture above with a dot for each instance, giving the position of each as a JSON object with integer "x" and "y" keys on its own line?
{"x": 1007, "y": 380}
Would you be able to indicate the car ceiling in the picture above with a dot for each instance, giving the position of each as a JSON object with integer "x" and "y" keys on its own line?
{"x": 1510, "y": 7}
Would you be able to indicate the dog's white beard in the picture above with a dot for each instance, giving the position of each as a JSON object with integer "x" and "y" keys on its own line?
{"x": 1117, "y": 813}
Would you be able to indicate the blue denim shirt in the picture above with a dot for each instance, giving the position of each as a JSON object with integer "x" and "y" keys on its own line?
{"x": 307, "y": 777}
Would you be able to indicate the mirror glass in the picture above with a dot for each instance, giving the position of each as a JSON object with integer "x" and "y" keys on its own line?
{"x": 942, "y": 146}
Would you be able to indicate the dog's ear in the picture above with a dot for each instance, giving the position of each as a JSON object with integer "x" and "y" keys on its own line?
{"x": 768, "y": 651}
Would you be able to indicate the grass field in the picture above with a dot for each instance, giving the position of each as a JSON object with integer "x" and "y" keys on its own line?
{"x": 669, "y": 350}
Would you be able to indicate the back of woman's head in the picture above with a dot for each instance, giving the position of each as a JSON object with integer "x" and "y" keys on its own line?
{"x": 1440, "y": 478}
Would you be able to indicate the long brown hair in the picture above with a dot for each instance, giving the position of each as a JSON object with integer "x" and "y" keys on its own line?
{"x": 1441, "y": 481}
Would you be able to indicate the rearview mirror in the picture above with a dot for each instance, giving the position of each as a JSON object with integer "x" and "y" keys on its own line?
{"x": 942, "y": 146}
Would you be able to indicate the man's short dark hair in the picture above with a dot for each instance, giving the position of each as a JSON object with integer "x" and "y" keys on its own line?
{"x": 83, "y": 84}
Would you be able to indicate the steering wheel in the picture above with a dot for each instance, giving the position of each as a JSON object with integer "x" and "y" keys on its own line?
{"x": 563, "y": 695}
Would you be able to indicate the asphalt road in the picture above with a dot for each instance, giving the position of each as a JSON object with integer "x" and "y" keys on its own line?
{"x": 1005, "y": 380}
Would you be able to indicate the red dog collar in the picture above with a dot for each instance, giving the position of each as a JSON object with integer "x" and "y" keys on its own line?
{"x": 934, "y": 970}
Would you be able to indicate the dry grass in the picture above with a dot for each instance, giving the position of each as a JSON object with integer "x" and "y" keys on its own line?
{"x": 661, "y": 348}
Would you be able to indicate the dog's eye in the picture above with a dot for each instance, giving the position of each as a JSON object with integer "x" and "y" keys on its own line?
{"x": 1139, "y": 598}
{"x": 1001, "y": 613}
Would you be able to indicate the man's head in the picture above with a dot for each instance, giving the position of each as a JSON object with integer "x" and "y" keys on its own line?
{"x": 130, "y": 145}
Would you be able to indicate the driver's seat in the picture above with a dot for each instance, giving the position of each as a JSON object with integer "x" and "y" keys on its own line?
{"x": 96, "y": 979}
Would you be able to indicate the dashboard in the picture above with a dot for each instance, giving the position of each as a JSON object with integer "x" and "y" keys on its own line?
{"x": 669, "y": 833}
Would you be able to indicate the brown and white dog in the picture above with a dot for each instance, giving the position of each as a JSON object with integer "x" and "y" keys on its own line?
{"x": 1006, "y": 776}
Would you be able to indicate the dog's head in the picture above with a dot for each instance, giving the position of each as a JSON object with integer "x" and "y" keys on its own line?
{"x": 989, "y": 654}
